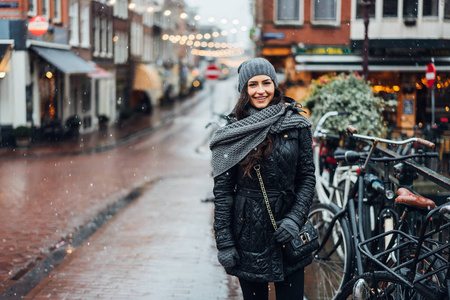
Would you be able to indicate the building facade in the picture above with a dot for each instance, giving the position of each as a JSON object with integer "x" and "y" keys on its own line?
{"x": 309, "y": 38}
{"x": 86, "y": 61}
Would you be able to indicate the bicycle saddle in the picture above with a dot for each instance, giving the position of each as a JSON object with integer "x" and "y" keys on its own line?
{"x": 407, "y": 198}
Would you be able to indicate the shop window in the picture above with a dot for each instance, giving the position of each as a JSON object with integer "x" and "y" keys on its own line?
{"x": 326, "y": 12}
{"x": 360, "y": 7}
{"x": 430, "y": 8}
{"x": 289, "y": 12}
{"x": 86, "y": 96}
{"x": 390, "y": 9}
{"x": 87, "y": 122}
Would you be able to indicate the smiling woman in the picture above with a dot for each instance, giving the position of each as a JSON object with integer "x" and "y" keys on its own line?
{"x": 265, "y": 149}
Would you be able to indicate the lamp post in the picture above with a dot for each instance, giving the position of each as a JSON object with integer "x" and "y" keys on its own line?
{"x": 365, "y": 59}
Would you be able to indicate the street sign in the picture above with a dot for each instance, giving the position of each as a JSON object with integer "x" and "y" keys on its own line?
{"x": 430, "y": 74}
{"x": 212, "y": 72}
{"x": 38, "y": 25}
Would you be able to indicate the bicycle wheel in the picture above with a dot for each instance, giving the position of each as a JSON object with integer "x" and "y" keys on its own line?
{"x": 384, "y": 285}
{"x": 331, "y": 267}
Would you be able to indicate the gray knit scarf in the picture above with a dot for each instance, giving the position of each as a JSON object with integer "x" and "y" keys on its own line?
{"x": 230, "y": 144}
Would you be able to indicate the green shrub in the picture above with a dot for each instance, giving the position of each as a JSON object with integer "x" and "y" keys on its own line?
{"x": 22, "y": 132}
{"x": 103, "y": 119}
{"x": 346, "y": 93}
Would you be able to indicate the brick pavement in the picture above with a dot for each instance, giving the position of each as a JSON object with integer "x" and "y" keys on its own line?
{"x": 151, "y": 250}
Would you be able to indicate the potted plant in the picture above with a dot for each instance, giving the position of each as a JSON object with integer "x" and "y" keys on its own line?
{"x": 349, "y": 93}
{"x": 22, "y": 135}
{"x": 73, "y": 124}
{"x": 103, "y": 121}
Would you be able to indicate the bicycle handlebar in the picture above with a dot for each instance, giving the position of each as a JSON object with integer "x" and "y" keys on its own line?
{"x": 354, "y": 133}
{"x": 324, "y": 117}
{"x": 352, "y": 157}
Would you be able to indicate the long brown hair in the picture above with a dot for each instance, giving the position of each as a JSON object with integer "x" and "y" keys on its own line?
{"x": 260, "y": 154}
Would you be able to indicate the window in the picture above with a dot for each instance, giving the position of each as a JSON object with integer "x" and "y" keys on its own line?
{"x": 410, "y": 8}
{"x": 147, "y": 19}
{"x": 32, "y": 7}
{"x": 137, "y": 35}
{"x": 121, "y": 48}
{"x": 74, "y": 24}
{"x": 57, "y": 11}
{"x": 430, "y": 8}
{"x": 110, "y": 38}
{"x": 326, "y": 12}
{"x": 447, "y": 9}
{"x": 289, "y": 12}
{"x": 121, "y": 9}
{"x": 96, "y": 36}
{"x": 46, "y": 9}
{"x": 147, "y": 48}
{"x": 85, "y": 27}
{"x": 103, "y": 36}
{"x": 390, "y": 9}
{"x": 360, "y": 7}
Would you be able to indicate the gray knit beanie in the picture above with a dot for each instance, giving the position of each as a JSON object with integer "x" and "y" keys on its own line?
{"x": 254, "y": 67}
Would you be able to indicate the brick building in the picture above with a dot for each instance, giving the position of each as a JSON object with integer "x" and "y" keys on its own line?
{"x": 309, "y": 38}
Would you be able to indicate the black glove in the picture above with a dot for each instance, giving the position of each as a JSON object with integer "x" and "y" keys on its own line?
{"x": 286, "y": 231}
{"x": 228, "y": 257}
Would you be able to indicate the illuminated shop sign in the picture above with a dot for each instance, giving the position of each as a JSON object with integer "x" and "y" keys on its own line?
{"x": 324, "y": 50}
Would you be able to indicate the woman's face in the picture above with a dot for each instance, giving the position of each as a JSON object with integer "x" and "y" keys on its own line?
{"x": 261, "y": 90}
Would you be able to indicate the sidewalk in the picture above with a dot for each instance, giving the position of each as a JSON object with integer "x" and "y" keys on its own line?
{"x": 117, "y": 134}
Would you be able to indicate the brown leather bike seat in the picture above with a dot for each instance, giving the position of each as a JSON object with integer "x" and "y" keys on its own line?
{"x": 406, "y": 197}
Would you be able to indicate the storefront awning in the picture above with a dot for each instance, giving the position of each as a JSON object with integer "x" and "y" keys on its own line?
{"x": 146, "y": 77}
{"x": 100, "y": 73}
{"x": 351, "y": 63}
{"x": 64, "y": 60}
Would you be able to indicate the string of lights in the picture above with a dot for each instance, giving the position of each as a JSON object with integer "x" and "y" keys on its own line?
{"x": 195, "y": 41}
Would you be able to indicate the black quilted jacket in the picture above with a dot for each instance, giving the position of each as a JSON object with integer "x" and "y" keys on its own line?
{"x": 241, "y": 218}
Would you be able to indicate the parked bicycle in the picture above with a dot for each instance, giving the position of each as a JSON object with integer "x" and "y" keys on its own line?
{"x": 341, "y": 230}
{"x": 333, "y": 182}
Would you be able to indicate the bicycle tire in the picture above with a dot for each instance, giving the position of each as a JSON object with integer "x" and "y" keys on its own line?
{"x": 384, "y": 285}
{"x": 330, "y": 270}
